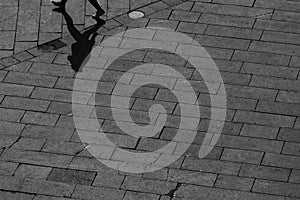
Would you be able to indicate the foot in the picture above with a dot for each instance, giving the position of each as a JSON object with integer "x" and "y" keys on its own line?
{"x": 59, "y": 10}
{"x": 99, "y": 13}
{"x": 99, "y": 21}
{"x": 61, "y": 4}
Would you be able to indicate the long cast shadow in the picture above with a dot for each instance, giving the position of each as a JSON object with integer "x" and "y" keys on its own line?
{"x": 84, "y": 41}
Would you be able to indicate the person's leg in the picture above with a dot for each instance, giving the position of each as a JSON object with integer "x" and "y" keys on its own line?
{"x": 61, "y": 4}
{"x": 70, "y": 25}
{"x": 100, "y": 11}
{"x": 95, "y": 4}
{"x": 94, "y": 28}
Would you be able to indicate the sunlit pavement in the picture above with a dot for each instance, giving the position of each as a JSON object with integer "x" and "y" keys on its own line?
{"x": 24, "y": 24}
{"x": 199, "y": 100}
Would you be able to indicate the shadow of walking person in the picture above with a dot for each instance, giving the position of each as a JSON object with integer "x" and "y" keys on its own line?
{"x": 84, "y": 41}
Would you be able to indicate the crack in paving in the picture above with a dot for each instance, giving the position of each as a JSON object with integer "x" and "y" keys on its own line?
{"x": 263, "y": 15}
{"x": 172, "y": 193}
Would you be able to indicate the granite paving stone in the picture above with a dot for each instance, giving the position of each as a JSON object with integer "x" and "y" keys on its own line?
{"x": 225, "y": 20}
{"x": 44, "y": 154}
{"x": 273, "y": 36}
{"x": 277, "y": 4}
{"x": 25, "y": 103}
{"x": 185, "y": 16}
{"x": 37, "y": 158}
{"x": 7, "y": 40}
{"x": 294, "y": 178}
{"x": 241, "y": 11}
{"x": 261, "y": 58}
{"x": 21, "y": 46}
{"x": 10, "y": 128}
{"x": 288, "y": 134}
{"x": 8, "y": 61}
{"x": 191, "y": 177}
{"x": 8, "y": 168}
{"x": 161, "y": 174}
{"x": 11, "y": 115}
{"x": 279, "y": 160}
{"x": 32, "y": 172}
{"x": 259, "y": 131}
{"x": 17, "y": 196}
{"x": 249, "y": 143}
{"x": 235, "y": 32}
{"x": 264, "y": 172}
{"x": 11, "y": 183}
{"x": 44, "y": 197}
{"x": 274, "y": 25}
{"x": 9, "y": 3}
{"x": 23, "y": 56}
{"x": 46, "y": 188}
{"x": 93, "y": 193}
{"x": 212, "y": 166}
{"x": 282, "y": 108}
{"x": 30, "y": 79}
{"x": 297, "y": 124}
{"x": 108, "y": 180}
{"x": 71, "y": 176}
{"x": 8, "y": 18}
{"x": 29, "y": 144}
{"x": 291, "y": 148}
{"x": 294, "y": 62}
{"x": 28, "y": 20}
{"x": 59, "y": 147}
{"x": 270, "y": 70}
{"x": 136, "y": 195}
{"x": 148, "y": 185}
{"x": 40, "y": 118}
{"x": 192, "y": 192}
{"x": 47, "y": 132}
{"x": 250, "y": 92}
{"x": 285, "y": 49}
{"x": 276, "y": 83}
{"x": 244, "y": 156}
{"x": 250, "y": 195}
{"x": 222, "y": 42}
{"x": 235, "y": 2}
{"x": 233, "y": 182}
{"x": 276, "y": 188}
{"x": 288, "y": 97}
{"x": 2, "y": 75}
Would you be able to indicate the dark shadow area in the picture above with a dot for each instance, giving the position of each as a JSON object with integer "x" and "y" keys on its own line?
{"x": 84, "y": 41}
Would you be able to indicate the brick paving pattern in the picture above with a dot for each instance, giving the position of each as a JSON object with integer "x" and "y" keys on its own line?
{"x": 255, "y": 44}
{"x": 27, "y": 23}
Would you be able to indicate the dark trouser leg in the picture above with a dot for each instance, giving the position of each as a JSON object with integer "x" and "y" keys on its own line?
{"x": 95, "y": 4}
{"x": 93, "y": 29}
{"x": 72, "y": 29}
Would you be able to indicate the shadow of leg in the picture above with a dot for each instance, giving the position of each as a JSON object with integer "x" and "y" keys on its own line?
{"x": 83, "y": 45}
{"x": 99, "y": 11}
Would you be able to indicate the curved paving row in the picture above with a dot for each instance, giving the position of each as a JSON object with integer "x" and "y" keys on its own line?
{"x": 256, "y": 46}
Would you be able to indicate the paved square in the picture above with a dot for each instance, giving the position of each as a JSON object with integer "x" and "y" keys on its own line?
{"x": 33, "y": 22}
{"x": 46, "y": 155}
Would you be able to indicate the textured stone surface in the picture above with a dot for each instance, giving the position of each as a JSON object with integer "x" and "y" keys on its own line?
{"x": 255, "y": 45}
{"x": 71, "y": 176}
{"x": 35, "y": 23}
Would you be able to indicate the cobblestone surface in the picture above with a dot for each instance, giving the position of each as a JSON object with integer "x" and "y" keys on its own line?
{"x": 24, "y": 24}
{"x": 255, "y": 44}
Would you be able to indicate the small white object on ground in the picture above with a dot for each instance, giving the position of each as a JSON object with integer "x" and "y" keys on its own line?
{"x": 136, "y": 14}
